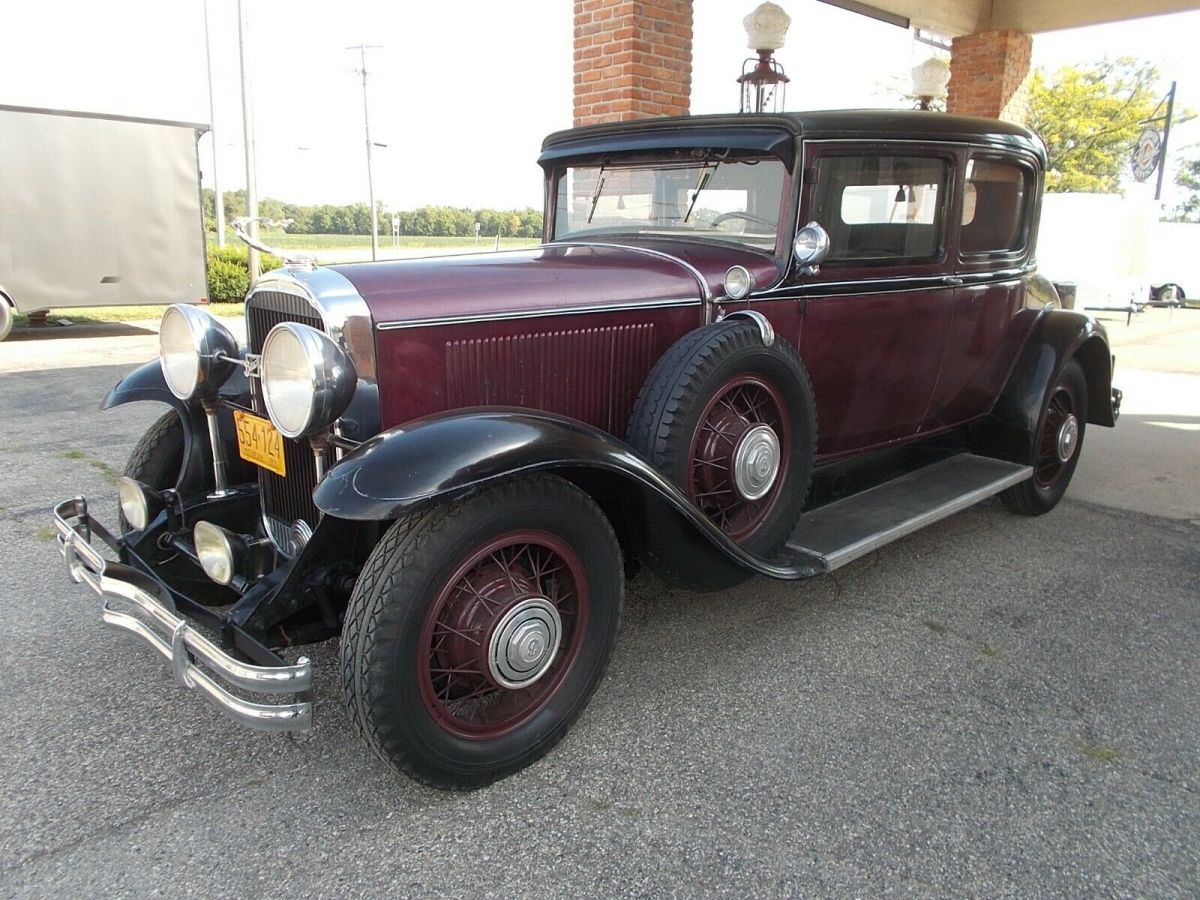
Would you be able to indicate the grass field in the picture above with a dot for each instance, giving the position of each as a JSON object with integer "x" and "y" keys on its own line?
{"x": 126, "y": 313}
{"x": 363, "y": 242}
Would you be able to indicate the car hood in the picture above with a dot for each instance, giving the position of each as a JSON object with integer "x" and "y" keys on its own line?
{"x": 546, "y": 279}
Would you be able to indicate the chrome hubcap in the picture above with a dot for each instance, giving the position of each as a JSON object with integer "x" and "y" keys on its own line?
{"x": 756, "y": 462}
{"x": 1068, "y": 437}
{"x": 524, "y": 643}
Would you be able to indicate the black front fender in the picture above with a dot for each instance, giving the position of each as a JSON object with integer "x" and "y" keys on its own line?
{"x": 146, "y": 382}
{"x": 445, "y": 456}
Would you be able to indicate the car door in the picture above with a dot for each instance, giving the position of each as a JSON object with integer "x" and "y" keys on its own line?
{"x": 990, "y": 321}
{"x": 876, "y": 314}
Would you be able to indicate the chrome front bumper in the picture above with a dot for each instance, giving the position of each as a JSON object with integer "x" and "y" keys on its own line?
{"x": 196, "y": 661}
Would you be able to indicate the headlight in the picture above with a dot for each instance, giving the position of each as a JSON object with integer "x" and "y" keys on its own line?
{"x": 307, "y": 379}
{"x": 197, "y": 353}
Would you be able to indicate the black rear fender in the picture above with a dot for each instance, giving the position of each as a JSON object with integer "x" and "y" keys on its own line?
{"x": 1059, "y": 335}
{"x": 449, "y": 455}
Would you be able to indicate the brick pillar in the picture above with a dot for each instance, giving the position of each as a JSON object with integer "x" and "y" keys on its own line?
{"x": 633, "y": 59}
{"x": 988, "y": 73}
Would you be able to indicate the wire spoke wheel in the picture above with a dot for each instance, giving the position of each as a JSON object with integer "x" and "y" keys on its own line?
{"x": 738, "y": 458}
{"x": 501, "y": 634}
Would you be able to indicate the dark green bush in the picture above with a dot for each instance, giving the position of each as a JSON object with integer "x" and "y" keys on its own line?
{"x": 229, "y": 274}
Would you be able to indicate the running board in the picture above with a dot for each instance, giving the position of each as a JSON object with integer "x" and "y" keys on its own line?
{"x": 844, "y": 530}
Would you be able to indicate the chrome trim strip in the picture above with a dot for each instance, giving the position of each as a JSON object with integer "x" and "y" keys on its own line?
{"x": 705, "y": 293}
{"x": 184, "y": 647}
{"x": 902, "y": 283}
{"x": 505, "y": 315}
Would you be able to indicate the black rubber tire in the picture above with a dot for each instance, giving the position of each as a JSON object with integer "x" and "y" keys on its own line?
{"x": 1161, "y": 291}
{"x": 1030, "y": 498}
{"x": 402, "y": 577}
{"x": 7, "y": 315}
{"x": 681, "y": 384}
{"x": 157, "y": 458}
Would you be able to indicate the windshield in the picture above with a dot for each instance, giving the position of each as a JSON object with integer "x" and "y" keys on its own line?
{"x": 734, "y": 200}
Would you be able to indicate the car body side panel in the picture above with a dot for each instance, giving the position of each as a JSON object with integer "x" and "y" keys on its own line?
{"x": 586, "y": 366}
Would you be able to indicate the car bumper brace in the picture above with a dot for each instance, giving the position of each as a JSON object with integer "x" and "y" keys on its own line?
{"x": 152, "y": 617}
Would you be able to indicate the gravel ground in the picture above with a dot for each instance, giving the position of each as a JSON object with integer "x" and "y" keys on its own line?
{"x": 993, "y": 706}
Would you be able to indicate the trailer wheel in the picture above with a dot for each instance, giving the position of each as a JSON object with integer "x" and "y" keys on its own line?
{"x": 7, "y": 315}
{"x": 478, "y": 630}
{"x": 731, "y": 420}
{"x": 1160, "y": 294}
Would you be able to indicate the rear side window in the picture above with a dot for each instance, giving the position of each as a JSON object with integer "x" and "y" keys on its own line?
{"x": 994, "y": 203}
{"x": 882, "y": 208}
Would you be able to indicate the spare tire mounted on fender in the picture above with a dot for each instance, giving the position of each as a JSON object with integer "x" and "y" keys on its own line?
{"x": 732, "y": 421}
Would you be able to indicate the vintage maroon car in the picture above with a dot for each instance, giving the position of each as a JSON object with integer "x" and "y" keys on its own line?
{"x": 750, "y": 345}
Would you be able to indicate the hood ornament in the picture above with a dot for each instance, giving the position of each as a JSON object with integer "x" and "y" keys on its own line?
{"x": 290, "y": 258}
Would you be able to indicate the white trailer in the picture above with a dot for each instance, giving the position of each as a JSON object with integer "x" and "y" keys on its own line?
{"x": 1099, "y": 243}
{"x": 97, "y": 210}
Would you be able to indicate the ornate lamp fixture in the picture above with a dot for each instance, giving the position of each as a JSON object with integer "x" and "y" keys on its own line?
{"x": 763, "y": 82}
{"x": 929, "y": 81}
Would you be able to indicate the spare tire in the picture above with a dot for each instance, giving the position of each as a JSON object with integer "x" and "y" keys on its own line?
{"x": 731, "y": 420}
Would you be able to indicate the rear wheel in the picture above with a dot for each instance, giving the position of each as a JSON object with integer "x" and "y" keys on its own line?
{"x": 1170, "y": 295}
{"x": 478, "y": 631}
{"x": 1056, "y": 447}
{"x": 157, "y": 458}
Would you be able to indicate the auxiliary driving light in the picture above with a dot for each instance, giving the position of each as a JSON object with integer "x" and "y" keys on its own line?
{"x": 221, "y": 551}
{"x": 139, "y": 504}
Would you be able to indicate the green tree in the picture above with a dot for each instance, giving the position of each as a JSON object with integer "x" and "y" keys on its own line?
{"x": 1090, "y": 118}
{"x": 1188, "y": 178}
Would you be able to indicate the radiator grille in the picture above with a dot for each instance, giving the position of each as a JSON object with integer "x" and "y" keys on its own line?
{"x": 286, "y": 499}
{"x": 591, "y": 374}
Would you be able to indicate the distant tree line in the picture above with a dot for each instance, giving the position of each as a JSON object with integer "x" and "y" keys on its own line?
{"x": 355, "y": 218}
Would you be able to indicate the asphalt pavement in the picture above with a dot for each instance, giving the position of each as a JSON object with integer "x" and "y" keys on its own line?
{"x": 995, "y": 706}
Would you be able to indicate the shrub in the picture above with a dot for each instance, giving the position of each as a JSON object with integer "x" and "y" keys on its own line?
{"x": 229, "y": 272}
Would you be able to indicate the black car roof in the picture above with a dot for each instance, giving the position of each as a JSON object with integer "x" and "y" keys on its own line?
{"x": 771, "y": 132}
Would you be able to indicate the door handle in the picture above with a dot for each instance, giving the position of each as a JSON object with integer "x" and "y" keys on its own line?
{"x": 952, "y": 280}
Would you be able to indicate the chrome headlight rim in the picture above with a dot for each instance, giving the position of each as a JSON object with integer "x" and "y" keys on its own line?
{"x": 213, "y": 351}
{"x": 331, "y": 379}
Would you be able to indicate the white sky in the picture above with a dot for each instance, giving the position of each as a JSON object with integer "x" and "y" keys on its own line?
{"x": 462, "y": 91}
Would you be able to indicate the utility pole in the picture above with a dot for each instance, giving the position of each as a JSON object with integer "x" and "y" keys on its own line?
{"x": 1162, "y": 151}
{"x": 362, "y": 53}
{"x": 218, "y": 199}
{"x": 248, "y": 128}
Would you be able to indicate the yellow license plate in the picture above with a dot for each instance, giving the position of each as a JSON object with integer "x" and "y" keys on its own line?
{"x": 259, "y": 442}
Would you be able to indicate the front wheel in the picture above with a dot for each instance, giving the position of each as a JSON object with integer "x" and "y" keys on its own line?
{"x": 478, "y": 630}
{"x": 1056, "y": 447}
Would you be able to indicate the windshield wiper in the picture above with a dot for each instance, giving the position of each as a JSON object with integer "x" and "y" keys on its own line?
{"x": 596, "y": 196}
{"x": 701, "y": 183}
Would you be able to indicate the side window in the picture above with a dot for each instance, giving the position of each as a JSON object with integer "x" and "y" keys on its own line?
{"x": 882, "y": 208}
{"x": 994, "y": 204}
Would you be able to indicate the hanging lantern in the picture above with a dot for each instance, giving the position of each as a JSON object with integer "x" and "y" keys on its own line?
{"x": 763, "y": 82}
{"x": 929, "y": 81}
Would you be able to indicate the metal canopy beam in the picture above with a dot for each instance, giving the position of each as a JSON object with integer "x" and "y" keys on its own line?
{"x": 957, "y": 17}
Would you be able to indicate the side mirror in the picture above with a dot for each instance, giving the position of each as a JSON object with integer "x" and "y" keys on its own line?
{"x": 810, "y": 247}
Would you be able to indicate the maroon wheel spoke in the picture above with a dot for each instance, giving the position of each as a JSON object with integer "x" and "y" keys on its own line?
{"x": 717, "y": 456}
{"x": 481, "y": 675}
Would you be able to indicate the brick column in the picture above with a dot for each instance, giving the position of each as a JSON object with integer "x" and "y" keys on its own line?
{"x": 988, "y": 73}
{"x": 633, "y": 59}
